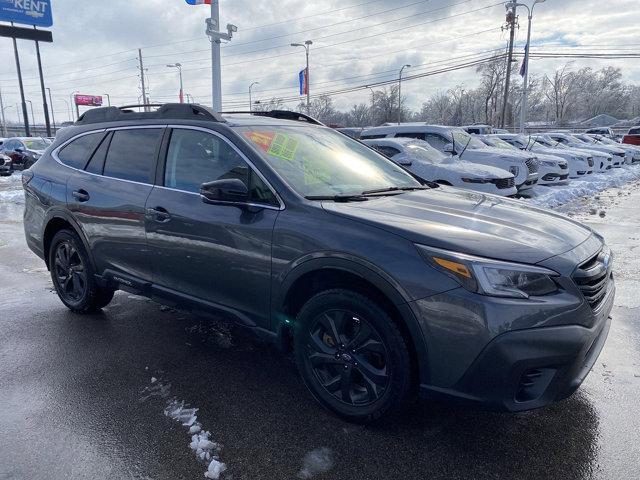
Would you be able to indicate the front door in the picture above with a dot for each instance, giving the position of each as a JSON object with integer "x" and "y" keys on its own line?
{"x": 220, "y": 254}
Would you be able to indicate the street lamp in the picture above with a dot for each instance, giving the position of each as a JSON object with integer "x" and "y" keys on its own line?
{"x": 523, "y": 107}
{"x": 251, "y": 104}
{"x": 72, "y": 98}
{"x": 108, "y": 98}
{"x": 400, "y": 93}
{"x": 53, "y": 115}
{"x": 179, "y": 67}
{"x": 33, "y": 118}
{"x": 306, "y": 46}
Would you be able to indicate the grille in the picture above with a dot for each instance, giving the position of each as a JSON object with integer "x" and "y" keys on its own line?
{"x": 532, "y": 165}
{"x": 593, "y": 276}
{"x": 590, "y": 161}
{"x": 1, "y": 161}
{"x": 503, "y": 183}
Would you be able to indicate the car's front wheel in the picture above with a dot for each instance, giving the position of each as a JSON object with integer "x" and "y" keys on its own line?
{"x": 352, "y": 356}
{"x": 73, "y": 276}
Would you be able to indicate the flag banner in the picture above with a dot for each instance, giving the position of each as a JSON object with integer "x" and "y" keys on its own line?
{"x": 303, "y": 77}
{"x": 198, "y": 2}
{"x": 524, "y": 62}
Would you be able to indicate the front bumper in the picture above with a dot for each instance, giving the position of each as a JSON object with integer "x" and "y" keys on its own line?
{"x": 530, "y": 182}
{"x": 520, "y": 369}
{"x": 552, "y": 175}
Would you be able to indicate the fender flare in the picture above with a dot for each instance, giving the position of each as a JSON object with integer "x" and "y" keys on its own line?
{"x": 59, "y": 213}
{"x": 369, "y": 273}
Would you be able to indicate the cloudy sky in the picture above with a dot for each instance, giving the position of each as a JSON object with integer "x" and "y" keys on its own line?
{"x": 356, "y": 43}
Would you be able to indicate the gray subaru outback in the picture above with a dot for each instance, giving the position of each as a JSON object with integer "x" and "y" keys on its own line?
{"x": 382, "y": 285}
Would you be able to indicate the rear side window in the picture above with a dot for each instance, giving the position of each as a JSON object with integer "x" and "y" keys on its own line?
{"x": 77, "y": 153}
{"x": 372, "y": 137}
{"x": 634, "y": 131}
{"x": 436, "y": 141}
{"x": 132, "y": 154}
{"x": 96, "y": 164}
{"x": 388, "y": 151}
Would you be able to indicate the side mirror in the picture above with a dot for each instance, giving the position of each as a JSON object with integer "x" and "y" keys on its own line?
{"x": 448, "y": 148}
{"x": 226, "y": 191}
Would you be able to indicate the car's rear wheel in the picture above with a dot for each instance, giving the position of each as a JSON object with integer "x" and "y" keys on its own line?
{"x": 73, "y": 275}
{"x": 352, "y": 356}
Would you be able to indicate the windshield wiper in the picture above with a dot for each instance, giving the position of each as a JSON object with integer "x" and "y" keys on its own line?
{"x": 339, "y": 198}
{"x": 394, "y": 189}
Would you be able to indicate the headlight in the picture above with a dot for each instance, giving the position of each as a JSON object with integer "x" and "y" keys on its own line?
{"x": 474, "y": 180}
{"x": 492, "y": 277}
{"x": 515, "y": 170}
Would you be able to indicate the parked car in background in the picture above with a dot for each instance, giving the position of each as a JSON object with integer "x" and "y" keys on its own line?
{"x": 552, "y": 170}
{"x": 430, "y": 164}
{"x": 353, "y": 132}
{"x": 24, "y": 151}
{"x": 478, "y": 129}
{"x": 633, "y": 137}
{"x": 6, "y": 165}
{"x": 580, "y": 164}
{"x": 633, "y": 151}
{"x": 454, "y": 141}
{"x": 620, "y": 154}
{"x": 605, "y": 131}
{"x": 602, "y": 160}
{"x": 616, "y": 154}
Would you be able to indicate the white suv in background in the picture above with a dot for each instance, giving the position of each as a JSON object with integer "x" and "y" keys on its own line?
{"x": 616, "y": 154}
{"x": 602, "y": 160}
{"x": 426, "y": 162}
{"x": 454, "y": 141}
{"x": 580, "y": 163}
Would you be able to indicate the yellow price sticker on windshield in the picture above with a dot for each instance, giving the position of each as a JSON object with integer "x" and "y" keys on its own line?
{"x": 283, "y": 146}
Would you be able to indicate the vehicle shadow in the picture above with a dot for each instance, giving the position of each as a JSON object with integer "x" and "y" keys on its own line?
{"x": 252, "y": 401}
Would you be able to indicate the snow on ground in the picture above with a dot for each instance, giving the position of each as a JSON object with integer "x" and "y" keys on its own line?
{"x": 11, "y": 189}
{"x": 555, "y": 196}
{"x": 316, "y": 461}
{"x": 204, "y": 448}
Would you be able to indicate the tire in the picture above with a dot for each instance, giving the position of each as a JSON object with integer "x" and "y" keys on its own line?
{"x": 367, "y": 373}
{"x": 73, "y": 276}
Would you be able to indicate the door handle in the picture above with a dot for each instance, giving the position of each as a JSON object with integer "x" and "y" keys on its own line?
{"x": 80, "y": 195}
{"x": 159, "y": 214}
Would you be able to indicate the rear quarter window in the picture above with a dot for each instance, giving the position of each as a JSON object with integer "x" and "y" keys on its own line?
{"x": 77, "y": 153}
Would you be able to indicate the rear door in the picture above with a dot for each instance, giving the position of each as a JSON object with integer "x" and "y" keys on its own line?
{"x": 107, "y": 195}
{"x": 220, "y": 254}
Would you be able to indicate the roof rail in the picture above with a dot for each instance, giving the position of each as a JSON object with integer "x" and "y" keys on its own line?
{"x": 164, "y": 111}
{"x": 279, "y": 114}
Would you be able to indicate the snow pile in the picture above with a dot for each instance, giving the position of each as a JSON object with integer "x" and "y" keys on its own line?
{"x": 316, "y": 461}
{"x": 11, "y": 189}
{"x": 551, "y": 197}
{"x": 201, "y": 444}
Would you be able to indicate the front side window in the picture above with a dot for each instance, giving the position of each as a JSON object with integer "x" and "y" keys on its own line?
{"x": 425, "y": 152}
{"x": 76, "y": 153}
{"x": 132, "y": 154}
{"x": 436, "y": 141}
{"x": 195, "y": 157}
{"x": 318, "y": 161}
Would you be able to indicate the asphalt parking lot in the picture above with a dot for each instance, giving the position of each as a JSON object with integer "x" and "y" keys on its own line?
{"x": 84, "y": 397}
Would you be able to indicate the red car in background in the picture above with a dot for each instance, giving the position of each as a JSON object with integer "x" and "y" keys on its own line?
{"x": 633, "y": 137}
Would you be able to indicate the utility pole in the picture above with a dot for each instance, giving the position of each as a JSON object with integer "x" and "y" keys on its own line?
{"x": 250, "y": 103}
{"x": 47, "y": 123}
{"x": 179, "y": 67}
{"x": 25, "y": 115}
{"x": 400, "y": 93}
{"x": 216, "y": 37}
{"x": 53, "y": 115}
{"x": 33, "y": 117}
{"x": 511, "y": 21}
{"x": 144, "y": 91}
{"x": 306, "y": 45}
{"x": 4, "y": 124}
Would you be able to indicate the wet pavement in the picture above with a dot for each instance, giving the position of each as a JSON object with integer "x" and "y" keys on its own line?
{"x": 84, "y": 396}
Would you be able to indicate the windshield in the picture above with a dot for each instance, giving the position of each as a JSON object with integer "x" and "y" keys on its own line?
{"x": 499, "y": 143}
{"x": 36, "y": 144}
{"x": 426, "y": 152}
{"x": 322, "y": 162}
{"x": 587, "y": 139}
{"x": 462, "y": 138}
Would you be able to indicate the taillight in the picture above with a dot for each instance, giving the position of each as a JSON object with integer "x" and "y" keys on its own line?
{"x": 27, "y": 175}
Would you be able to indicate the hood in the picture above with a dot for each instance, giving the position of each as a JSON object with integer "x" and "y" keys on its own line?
{"x": 546, "y": 157}
{"x": 470, "y": 169}
{"x": 469, "y": 222}
{"x": 500, "y": 154}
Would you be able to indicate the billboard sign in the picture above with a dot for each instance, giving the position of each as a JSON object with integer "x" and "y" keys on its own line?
{"x": 88, "y": 100}
{"x": 27, "y": 12}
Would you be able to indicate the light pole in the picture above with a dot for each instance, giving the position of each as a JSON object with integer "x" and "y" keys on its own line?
{"x": 251, "y": 104}
{"x": 523, "y": 107}
{"x": 108, "y": 98}
{"x": 179, "y": 67}
{"x": 400, "y": 93}
{"x": 72, "y": 98}
{"x": 69, "y": 114}
{"x": 216, "y": 37}
{"x": 53, "y": 115}
{"x": 33, "y": 118}
{"x": 306, "y": 46}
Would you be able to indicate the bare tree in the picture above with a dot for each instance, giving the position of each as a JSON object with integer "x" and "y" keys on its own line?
{"x": 560, "y": 91}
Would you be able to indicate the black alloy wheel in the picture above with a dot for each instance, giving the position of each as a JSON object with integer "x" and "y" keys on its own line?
{"x": 348, "y": 357}
{"x": 70, "y": 272}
